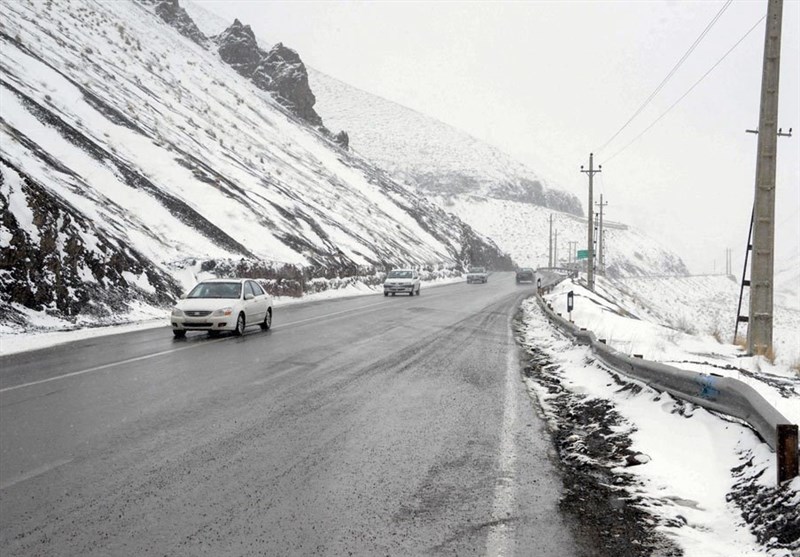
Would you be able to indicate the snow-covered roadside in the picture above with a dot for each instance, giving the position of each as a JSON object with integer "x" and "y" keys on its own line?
{"x": 148, "y": 317}
{"x": 695, "y": 472}
{"x": 632, "y": 328}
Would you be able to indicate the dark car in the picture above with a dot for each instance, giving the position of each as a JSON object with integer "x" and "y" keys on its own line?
{"x": 525, "y": 274}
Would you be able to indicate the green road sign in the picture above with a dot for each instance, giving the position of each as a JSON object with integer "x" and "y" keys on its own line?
{"x": 583, "y": 254}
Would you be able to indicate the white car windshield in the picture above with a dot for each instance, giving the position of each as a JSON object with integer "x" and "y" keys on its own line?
{"x": 231, "y": 290}
{"x": 399, "y": 274}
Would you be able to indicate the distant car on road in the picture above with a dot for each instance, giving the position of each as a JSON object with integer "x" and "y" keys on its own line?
{"x": 525, "y": 274}
{"x": 222, "y": 305}
{"x": 401, "y": 281}
{"x": 477, "y": 274}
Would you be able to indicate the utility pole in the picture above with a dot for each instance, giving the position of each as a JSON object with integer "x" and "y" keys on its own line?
{"x": 728, "y": 258}
{"x": 601, "y": 239}
{"x": 571, "y": 255}
{"x": 550, "y": 252}
{"x": 555, "y": 250}
{"x": 759, "y": 331}
{"x": 590, "y": 243}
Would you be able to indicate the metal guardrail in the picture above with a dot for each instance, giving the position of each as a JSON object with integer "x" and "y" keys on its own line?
{"x": 715, "y": 392}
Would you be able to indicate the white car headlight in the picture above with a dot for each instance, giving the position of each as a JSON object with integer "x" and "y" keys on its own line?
{"x": 176, "y": 312}
{"x": 223, "y": 312}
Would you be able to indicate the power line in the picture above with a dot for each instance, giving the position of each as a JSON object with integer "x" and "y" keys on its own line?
{"x": 689, "y": 91}
{"x": 670, "y": 74}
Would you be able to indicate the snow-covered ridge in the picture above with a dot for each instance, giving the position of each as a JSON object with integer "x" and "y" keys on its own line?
{"x": 125, "y": 143}
{"x": 486, "y": 188}
{"x": 417, "y": 148}
{"x": 523, "y": 231}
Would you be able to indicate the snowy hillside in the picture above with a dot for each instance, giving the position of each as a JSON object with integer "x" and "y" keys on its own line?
{"x": 486, "y": 188}
{"x": 706, "y": 305}
{"x": 523, "y": 230}
{"x": 130, "y": 151}
{"x": 420, "y": 150}
{"x": 436, "y": 158}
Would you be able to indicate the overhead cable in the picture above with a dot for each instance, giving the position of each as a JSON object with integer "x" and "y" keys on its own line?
{"x": 687, "y": 92}
{"x": 669, "y": 75}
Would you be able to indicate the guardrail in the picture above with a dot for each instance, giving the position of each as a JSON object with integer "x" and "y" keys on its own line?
{"x": 714, "y": 392}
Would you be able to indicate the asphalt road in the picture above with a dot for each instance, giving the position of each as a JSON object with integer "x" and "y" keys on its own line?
{"x": 361, "y": 426}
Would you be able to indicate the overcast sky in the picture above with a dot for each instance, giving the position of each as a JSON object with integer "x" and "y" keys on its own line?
{"x": 549, "y": 82}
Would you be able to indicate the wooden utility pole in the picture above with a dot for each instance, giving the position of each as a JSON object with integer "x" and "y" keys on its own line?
{"x": 590, "y": 243}
{"x": 759, "y": 330}
{"x": 601, "y": 239}
{"x": 550, "y": 251}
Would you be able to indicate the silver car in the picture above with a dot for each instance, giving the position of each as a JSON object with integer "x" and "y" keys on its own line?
{"x": 222, "y": 305}
{"x": 401, "y": 281}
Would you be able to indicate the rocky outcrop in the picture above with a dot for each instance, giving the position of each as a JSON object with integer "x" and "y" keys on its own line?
{"x": 289, "y": 81}
{"x": 172, "y": 13}
{"x": 342, "y": 139}
{"x": 532, "y": 191}
{"x": 238, "y": 48}
{"x": 279, "y": 70}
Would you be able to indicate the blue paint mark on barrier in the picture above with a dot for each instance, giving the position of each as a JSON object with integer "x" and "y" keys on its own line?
{"x": 709, "y": 391}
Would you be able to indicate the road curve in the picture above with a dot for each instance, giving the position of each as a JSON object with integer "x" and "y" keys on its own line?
{"x": 361, "y": 426}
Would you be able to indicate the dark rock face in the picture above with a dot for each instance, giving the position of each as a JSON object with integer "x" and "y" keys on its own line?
{"x": 171, "y": 12}
{"x": 289, "y": 80}
{"x": 279, "y": 71}
{"x": 239, "y": 49}
{"x": 522, "y": 190}
{"x": 343, "y": 139}
{"x": 61, "y": 263}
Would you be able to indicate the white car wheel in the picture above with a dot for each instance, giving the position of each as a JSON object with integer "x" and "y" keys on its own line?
{"x": 239, "y": 330}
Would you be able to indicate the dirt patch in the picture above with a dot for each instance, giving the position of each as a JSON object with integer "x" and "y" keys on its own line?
{"x": 592, "y": 441}
{"x": 773, "y": 512}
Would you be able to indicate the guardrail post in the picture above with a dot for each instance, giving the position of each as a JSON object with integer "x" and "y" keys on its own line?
{"x": 787, "y": 452}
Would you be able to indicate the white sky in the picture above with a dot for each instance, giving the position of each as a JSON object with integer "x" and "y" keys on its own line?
{"x": 548, "y": 82}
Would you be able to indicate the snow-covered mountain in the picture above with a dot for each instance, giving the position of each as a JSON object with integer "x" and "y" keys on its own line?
{"x": 523, "y": 230}
{"x": 483, "y": 186}
{"x": 132, "y": 149}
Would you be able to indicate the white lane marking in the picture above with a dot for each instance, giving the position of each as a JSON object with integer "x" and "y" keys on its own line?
{"x": 35, "y": 472}
{"x": 171, "y": 351}
{"x": 106, "y": 366}
{"x": 499, "y": 541}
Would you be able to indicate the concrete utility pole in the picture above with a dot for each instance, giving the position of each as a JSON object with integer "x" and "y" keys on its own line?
{"x": 555, "y": 249}
{"x": 550, "y": 252}
{"x": 590, "y": 244}
{"x": 728, "y": 262}
{"x": 759, "y": 331}
{"x": 601, "y": 240}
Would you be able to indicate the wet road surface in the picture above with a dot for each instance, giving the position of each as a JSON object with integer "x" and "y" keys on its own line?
{"x": 363, "y": 426}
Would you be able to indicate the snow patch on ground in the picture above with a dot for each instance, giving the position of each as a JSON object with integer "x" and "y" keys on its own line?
{"x": 700, "y": 474}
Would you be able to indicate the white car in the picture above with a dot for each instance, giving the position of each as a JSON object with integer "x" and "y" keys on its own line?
{"x": 477, "y": 274}
{"x": 401, "y": 280}
{"x": 222, "y": 305}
